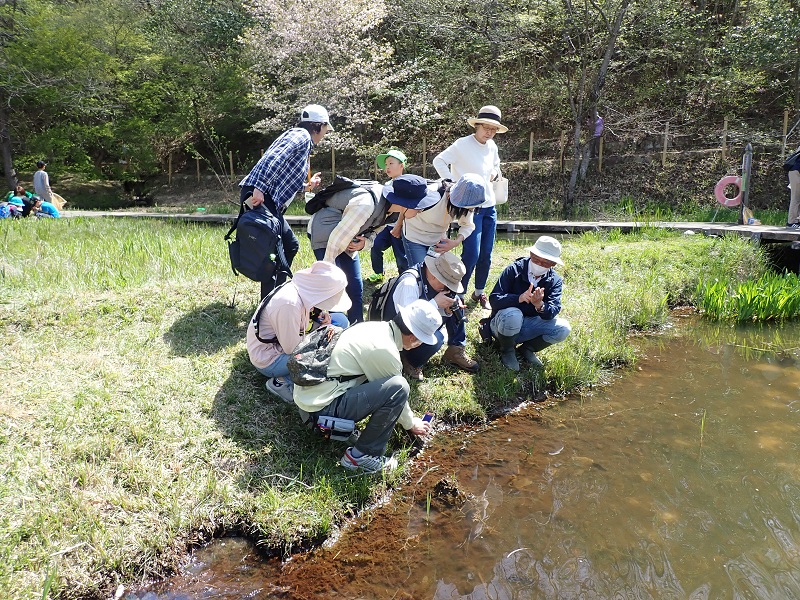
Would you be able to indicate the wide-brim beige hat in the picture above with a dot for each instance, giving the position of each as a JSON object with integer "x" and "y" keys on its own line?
{"x": 488, "y": 115}
{"x": 448, "y": 269}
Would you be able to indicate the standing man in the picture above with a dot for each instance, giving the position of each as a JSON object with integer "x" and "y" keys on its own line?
{"x": 525, "y": 302}
{"x": 370, "y": 351}
{"x": 281, "y": 173}
{"x": 41, "y": 182}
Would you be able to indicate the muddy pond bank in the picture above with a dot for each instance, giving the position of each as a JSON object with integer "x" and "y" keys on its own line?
{"x": 678, "y": 480}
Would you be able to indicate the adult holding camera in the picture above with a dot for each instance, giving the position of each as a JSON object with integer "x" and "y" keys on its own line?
{"x": 477, "y": 153}
{"x": 427, "y": 229}
{"x": 281, "y": 173}
{"x": 525, "y": 301}
{"x": 436, "y": 280}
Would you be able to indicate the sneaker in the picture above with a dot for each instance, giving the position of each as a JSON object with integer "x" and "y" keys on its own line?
{"x": 376, "y": 278}
{"x": 368, "y": 463}
{"x": 793, "y": 225}
{"x": 281, "y": 388}
{"x": 481, "y": 299}
{"x": 457, "y": 355}
{"x": 414, "y": 373}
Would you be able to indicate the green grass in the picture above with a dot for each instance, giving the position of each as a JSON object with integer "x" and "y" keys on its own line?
{"x": 772, "y": 296}
{"x": 132, "y": 424}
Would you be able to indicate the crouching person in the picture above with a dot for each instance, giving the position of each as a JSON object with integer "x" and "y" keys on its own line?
{"x": 525, "y": 302}
{"x": 370, "y": 351}
{"x": 313, "y": 296}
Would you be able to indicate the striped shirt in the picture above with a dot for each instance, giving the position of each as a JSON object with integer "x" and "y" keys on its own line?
{"x": 283, "y": 169}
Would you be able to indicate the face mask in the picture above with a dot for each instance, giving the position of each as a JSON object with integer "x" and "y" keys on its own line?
{"x": 535, "y": 270}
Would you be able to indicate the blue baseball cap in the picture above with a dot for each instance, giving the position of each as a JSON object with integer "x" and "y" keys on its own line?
{"x": 411, "y": 191}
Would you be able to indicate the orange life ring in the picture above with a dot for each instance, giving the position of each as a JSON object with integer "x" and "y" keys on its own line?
{"x": 719, "y": 190}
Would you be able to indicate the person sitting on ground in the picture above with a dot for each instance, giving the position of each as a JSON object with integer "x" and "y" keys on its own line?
{"x": 44, "y": 209}
{"x": 393, "y": 163}
{"x": 525, "y": 301}
{"x": 436, "y": 280}
{"x": 428, "y": 229}
{"x": 286, "y": 317}
{"x": 371, "y": 350}
{"x": 18, "y": 195}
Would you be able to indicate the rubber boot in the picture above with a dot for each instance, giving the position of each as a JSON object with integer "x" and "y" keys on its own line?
{"x": 531, "y": 347}
{"x": 508, "y": 353}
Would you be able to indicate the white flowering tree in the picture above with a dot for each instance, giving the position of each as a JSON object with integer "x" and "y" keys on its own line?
{"x": 332, "y": 52}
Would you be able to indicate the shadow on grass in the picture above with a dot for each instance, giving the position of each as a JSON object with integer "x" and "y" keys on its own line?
{"x": 208, "y": 329}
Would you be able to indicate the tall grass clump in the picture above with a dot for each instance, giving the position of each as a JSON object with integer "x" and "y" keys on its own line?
{"x": 770, "y": 297}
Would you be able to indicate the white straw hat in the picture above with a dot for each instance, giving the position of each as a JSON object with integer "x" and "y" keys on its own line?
{"x": 488, "y": 115}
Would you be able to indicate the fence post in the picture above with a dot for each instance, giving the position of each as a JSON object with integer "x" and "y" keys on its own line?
{"x": 197, "y": 160}
{"x": 333, "y": 163}
{"x": 424, "y": 158}
{"x": 377, "y": 168}
{"x": 724, "y": 139}
{"x": 666, "y": 141}
{"x": 262, "y": 152}
{"x": 785, "y": 129}
{"x": 530, "y": 155}
{"x": 562, "y": 143}
{"x": 230, "y": 159}
{"x": 600, "y": 154}
{"x": 169, "y": 170}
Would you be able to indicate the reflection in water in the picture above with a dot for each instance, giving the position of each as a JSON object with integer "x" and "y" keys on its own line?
{"x": 681, "y": 480}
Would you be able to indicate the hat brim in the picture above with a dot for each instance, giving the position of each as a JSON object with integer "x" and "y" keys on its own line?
{"x": 473, "y": 121}
{"x": 429, "y": 340}
{"x": 339, "y": 302}
{"x": 428, "y": 200}
{"x": 545, "y": 255}
{"x": 430, "y": 262}
{"x": 381, "y": 159}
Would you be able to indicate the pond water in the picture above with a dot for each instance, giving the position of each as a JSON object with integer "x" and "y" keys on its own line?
{"x": 679, "y": 480}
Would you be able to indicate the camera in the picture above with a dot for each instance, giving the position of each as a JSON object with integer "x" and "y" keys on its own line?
{"x": 457, "y": 311}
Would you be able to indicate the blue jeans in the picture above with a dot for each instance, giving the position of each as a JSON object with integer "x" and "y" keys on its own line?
{"x": 355, "y": 286}
{"x": 476, "y": 250}
{"x": 512, "y": 323}
{"x": 415, "y": 253}
{"x": 456, "y": 336}
{"x": 383, "y": 241}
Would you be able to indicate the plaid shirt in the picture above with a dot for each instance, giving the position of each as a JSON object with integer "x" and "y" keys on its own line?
{"x": 283, "y": 169}
{"x": 354, "y": 217}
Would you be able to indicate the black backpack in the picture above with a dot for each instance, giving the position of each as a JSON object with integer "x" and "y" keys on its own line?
{"x": 339, "y": 184}
{"x": 257, "y": 252}
{"x": 308, "y": 363}
{"x": 380, "y": 297}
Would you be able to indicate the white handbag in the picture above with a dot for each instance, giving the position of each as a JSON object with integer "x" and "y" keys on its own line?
{"x": 500, "y": 187}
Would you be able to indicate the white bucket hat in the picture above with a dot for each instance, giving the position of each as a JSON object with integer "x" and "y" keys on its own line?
{"x": 488, "y": 115}
{"x": 548, "y": 248}
{"x": 314, "y": 113}
{"x": 422, "y": 320}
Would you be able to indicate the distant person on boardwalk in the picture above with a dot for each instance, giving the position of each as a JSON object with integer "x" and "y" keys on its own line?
{"x": 477, "y": 153}
{"x": 793, "y": 168}
{"x": 393, "y": 163}
{"x": 288, "y": 314}
{"x": 41, "y": 182}
{"x": 371, "y": 352}
{"x": 281, "y": 173}
{"x": 525, "y": 303}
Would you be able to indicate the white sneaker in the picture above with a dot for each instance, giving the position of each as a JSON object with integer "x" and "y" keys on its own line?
{"x": 368, "y": 463}
{"x": 281, "y": 388}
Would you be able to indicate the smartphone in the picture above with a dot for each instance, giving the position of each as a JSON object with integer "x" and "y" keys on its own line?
{"x": 249, "y": 202}
{"x": 428, "y": 417}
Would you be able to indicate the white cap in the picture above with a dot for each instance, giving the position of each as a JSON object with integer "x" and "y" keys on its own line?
{"x": 547, "y": 248}
{"x": 314, "y": 113}
{"x": 422, "y": 319}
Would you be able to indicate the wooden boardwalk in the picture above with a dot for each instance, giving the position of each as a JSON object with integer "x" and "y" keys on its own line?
{"x": 758, "y": 233}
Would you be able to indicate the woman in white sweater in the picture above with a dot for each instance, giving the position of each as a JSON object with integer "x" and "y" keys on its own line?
{"x": 477, "y": 153}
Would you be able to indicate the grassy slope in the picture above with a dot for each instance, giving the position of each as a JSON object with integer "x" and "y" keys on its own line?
{"x": 131, "y": 422}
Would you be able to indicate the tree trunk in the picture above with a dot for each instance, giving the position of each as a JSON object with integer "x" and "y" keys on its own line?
{"x": 5, "y": 149}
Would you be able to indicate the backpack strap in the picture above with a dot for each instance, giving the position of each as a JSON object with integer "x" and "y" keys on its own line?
{"x": 235, "y": 222}
{"x": 261, "y": 307}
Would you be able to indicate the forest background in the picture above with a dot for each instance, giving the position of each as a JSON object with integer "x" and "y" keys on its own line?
{"x": 114, "y": 89}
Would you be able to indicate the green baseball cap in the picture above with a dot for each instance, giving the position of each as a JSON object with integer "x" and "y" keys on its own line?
{"x": 394, "y": 153}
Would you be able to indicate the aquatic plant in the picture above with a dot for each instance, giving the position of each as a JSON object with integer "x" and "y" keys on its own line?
{"x": 769, "y": 297}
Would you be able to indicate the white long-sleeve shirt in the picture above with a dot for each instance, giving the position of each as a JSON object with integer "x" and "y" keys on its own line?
{"x": 468, "y": 155}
